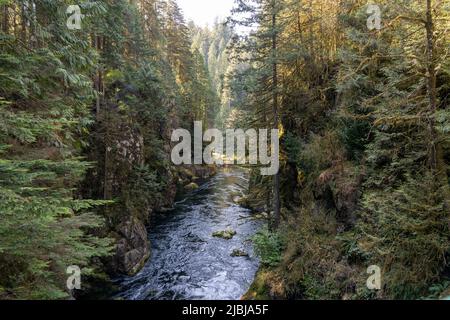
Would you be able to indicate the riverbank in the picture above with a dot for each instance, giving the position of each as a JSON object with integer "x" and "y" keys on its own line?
{"x": 266, "y": 286}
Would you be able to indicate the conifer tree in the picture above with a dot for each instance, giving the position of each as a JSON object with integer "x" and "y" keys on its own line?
{"x": 263, "y": 49}
{"x": 389, "y": 81}
{"x": 45, "y": 101}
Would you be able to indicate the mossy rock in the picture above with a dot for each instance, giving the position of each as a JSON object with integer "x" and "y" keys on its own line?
{"x": 239, "y": 253}
{"x": 226, "y": 234}
{"x": 186, "y": 173}
{"x": 243, "y": 202}
{"x": 259, "y": 289}
{"x": 191, "y": 186}
{"x": 166, "y": 210}
{"x": 262, "y": 215}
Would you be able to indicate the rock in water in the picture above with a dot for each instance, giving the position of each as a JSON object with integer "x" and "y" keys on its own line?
{"x": 192, "y": 186}
{"x": 239, "y": 253}
{"x": 133, "y": 249}
{"x": 227, "y": 234}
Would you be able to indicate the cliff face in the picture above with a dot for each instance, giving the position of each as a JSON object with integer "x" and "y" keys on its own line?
{"x": 121, "y": 175}
{"x": 132, "y": 249}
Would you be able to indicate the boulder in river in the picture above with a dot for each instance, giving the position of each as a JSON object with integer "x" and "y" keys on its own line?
{"x": 191, "y": 186}
{"x": 226, "y": 234}
{"x": 239, "y": 253}
{"x": 133, "y": 249}
{"x": 262, "y": 215}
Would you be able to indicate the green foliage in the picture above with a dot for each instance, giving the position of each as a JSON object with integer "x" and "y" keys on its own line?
{"x": 443, "y": 123}
{"x": 45, "y": 96}
{"x": 415, "y": 215}
{"x": 43, "y": 228}
{"x": 351, "y": 249}
{"x": 320, "y": 152}
{"x": 438, "y": 290}
{"x": 403, "y": 224}
{"x": 268, "y": 246}
{"x": 365, "y": 121}
{"x": 134, "y": 64}
{"x": 355, "y": 136}
{"x": 293, "y": 148}
{"x": 314, "y": 289}
{"x": 145, "y": 190}
{"x": 213, "y": 44}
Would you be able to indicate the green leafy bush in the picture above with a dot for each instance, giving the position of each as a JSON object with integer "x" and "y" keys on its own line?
{"x": 268, "y": 246}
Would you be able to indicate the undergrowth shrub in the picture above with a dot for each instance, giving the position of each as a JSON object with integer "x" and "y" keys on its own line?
{"x": 313, "y": 264}
{"x": 355, "y": 136}
{"x": 268, "y": 247}
{"x": 407, "y": 234}
{"x": 321, "y": 152}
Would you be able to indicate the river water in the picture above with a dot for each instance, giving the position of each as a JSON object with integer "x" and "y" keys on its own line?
{"x": 187, "y": 262}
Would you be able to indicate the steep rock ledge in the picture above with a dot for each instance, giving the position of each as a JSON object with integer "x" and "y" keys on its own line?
{"x": 132, "y": 249}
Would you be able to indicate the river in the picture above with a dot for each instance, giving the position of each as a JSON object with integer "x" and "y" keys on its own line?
{"x": 187, "y": 262}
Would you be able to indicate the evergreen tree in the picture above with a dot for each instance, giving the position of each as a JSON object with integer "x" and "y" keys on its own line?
{"x": 263, "y": 46}
{"x": 45, "y": 100}
{"x": 394, "y": 84}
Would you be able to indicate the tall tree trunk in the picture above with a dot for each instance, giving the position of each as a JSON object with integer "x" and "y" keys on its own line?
{"x": 98, "y": 42}
{"x": 276, "y": 179}
{"x": 97, "y": 77}
{"x": 23, "y": 22}
{"x": 432, "y": 92}
{"x": 5, "y": 18}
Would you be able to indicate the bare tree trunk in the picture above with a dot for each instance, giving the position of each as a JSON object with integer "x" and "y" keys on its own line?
{"x": 97, "y": 78}
{"x": 5, "y": 19}
{"x": 276, "y": 179}
{"x": 432, "y": 92}
{"x": 23, "y": 22}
